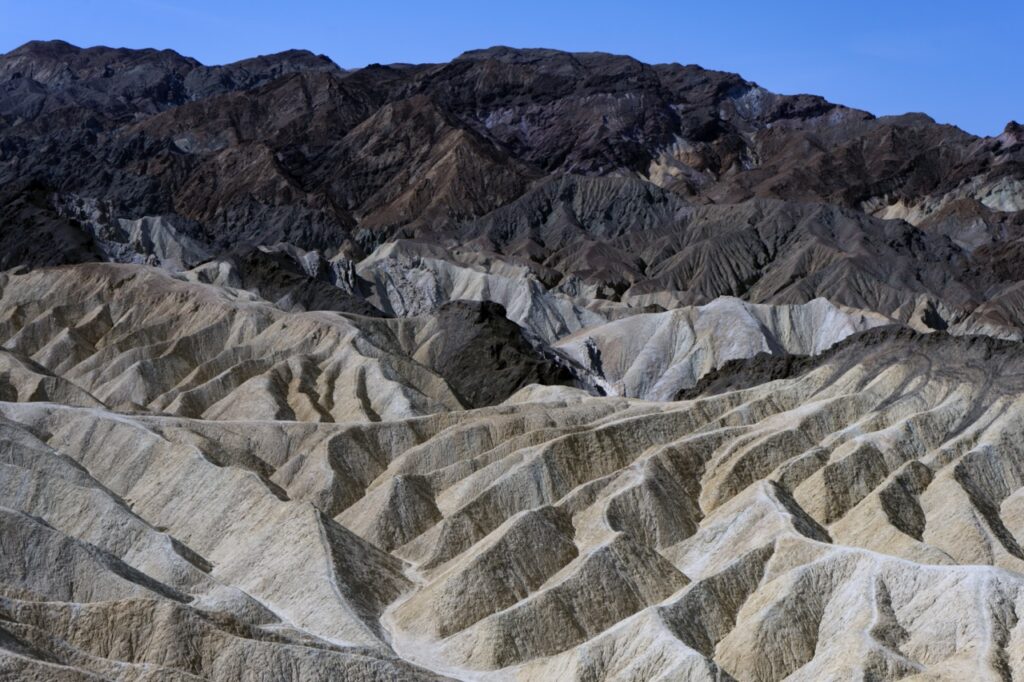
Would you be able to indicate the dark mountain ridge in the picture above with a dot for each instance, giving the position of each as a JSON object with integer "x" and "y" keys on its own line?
{"x": 664, "y": 180}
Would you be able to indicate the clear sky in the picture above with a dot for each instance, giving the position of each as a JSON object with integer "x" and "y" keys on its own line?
{"x": 961, "y": 62}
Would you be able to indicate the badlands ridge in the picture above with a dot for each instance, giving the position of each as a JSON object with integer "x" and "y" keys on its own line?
{"x": 528, "y": 366}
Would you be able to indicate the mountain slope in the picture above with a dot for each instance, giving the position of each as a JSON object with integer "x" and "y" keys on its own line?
{"x": 529, "y": 365}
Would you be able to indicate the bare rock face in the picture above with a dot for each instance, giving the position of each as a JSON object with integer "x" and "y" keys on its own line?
{"x": 527, "y": 366}
{"x": 605, "y": 177}
{"x": 484, "y": 356}
{"x": 655, "y": 355}
{"x": 851, "y": 513}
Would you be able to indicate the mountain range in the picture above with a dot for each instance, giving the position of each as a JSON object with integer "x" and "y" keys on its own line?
{"x": 531, "y": 365}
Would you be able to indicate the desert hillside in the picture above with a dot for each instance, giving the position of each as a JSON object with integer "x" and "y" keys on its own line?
{"x": 531, "y": 365}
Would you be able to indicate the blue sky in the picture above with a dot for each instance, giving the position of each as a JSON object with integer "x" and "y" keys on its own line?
{"x": 960, "y": 62}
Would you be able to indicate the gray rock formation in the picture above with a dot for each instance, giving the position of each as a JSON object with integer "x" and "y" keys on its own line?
{"x": 655, "y": 355}
{"x": 195, "y": 507}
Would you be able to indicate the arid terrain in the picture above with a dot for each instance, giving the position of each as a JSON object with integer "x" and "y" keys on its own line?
{"x": 526, "y": 366}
